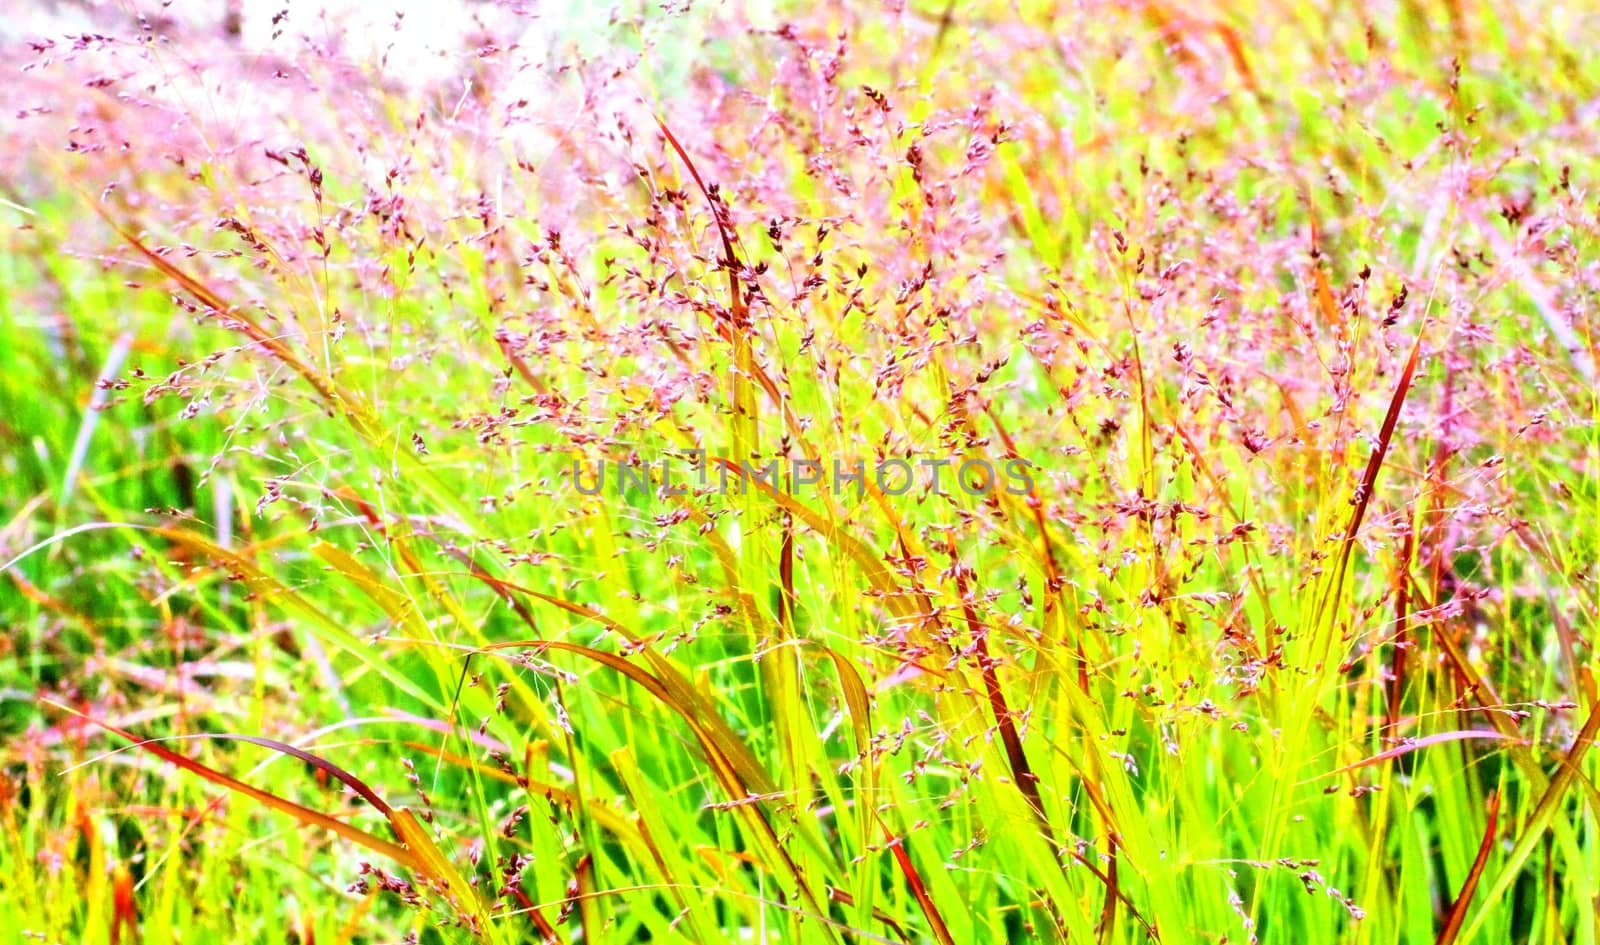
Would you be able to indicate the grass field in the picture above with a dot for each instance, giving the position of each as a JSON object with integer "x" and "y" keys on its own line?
{"x": 840, "y": 473}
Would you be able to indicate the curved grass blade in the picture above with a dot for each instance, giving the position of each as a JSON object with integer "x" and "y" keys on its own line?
{"x": 305, "y": 815}
{"x": 1416, "y": 744}
{"x": 416, "y": 851}
{"x": 742, "y": 777}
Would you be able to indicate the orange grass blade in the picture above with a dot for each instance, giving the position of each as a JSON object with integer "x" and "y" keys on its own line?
{"x": 586, "y": 898}
{"x": 735, "y": 766}
{"x": 1010, "y": 739}
{"x": 324, "y": 385}
{"x": 433, "y": 863}
{"x": 1369, "y": 477}
{"x": 416, "y": 851}
{"x": 305, "y": 815}
{"x": 919, "y": 890}
{"x": 1458, "y": 910}
{"x": 1533, "y": 830}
